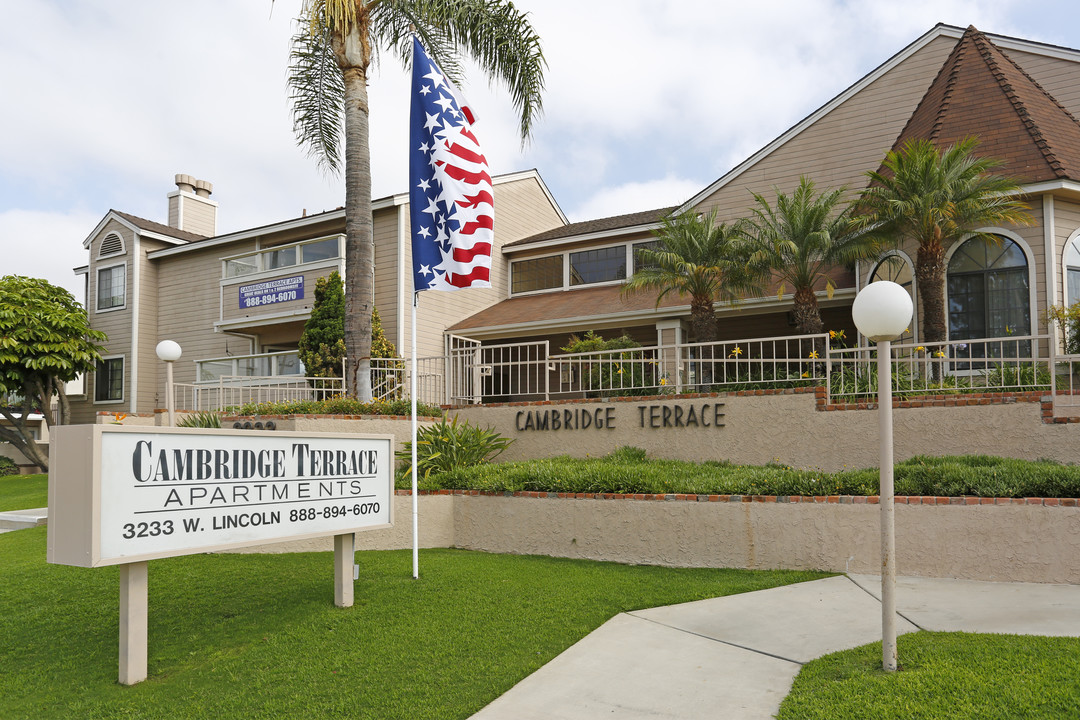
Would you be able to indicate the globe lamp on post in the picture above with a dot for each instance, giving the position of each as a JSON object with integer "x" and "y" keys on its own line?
{"x": 169, "y": 352}
{"x": 882, "y": 311}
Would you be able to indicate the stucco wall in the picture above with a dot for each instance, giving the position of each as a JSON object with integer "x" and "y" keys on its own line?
{"x": 1015, "y": 542}
{"x": 788, "y": 428}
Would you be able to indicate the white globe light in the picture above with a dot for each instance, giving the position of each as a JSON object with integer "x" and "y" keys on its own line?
{"x": 882, "y": 311}
{"x": 168, "y": 351}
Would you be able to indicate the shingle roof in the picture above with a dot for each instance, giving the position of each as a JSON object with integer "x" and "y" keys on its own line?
{"x": 144, "y": 224}
{"x": 593, "y": 226}
{"x": 982, "y": 91}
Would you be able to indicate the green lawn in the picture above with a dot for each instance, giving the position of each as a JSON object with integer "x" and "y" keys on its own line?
{"x": 23, "y": 492}
{"x": 943, "y": 676}
{"x": 257, "y": 636}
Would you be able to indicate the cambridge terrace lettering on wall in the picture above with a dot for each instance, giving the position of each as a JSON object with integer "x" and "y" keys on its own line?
{"x": 653, "y": 416}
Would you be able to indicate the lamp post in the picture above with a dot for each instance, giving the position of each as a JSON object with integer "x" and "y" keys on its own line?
{"x": 881, "y": 311}
{"x": 169, "y": 352}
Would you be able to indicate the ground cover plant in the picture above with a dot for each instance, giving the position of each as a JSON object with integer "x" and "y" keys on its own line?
{"x": 629, "y": 470}
{"x": 257, "y": 636}
{"x": 23, "y": 492}
{"x": 943, "y": 676}
{"x": 339, "y": 405}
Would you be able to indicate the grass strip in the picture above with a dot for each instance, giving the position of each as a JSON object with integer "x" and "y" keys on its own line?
{"x": 628, "y": 470}
{"x": 23, "y": 492}
{"x": 257, "y": 636}
{"x": 943, "y": 676}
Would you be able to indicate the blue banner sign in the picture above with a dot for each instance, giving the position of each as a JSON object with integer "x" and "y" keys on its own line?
{"x": 272, "y": 291}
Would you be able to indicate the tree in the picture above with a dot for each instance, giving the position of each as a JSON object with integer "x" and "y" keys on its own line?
{"x": 693, "y": 256}
{"x": 798, "y": 240}
{"x": 934, "y": 198}
{"x": 322, "y": 344}
{"x": 332, "y": 53}
{"x": 45, "y": 341}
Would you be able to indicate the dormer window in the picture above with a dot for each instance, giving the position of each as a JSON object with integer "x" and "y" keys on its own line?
{"x": 111, "y": 245}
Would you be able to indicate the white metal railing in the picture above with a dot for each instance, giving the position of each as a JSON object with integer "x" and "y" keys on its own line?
{"x": 1014, "y": 363}
{"x": 474, "y": 373}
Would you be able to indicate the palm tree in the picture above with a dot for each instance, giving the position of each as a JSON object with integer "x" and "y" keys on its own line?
{"x": 799, "y": 240}
{"x": 332, "y": 52}
{"x": 933, "y": 198}
{"x": 693, "y": 256}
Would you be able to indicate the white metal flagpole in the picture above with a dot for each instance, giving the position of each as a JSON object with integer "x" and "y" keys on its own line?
{"x": 412, "y": 394}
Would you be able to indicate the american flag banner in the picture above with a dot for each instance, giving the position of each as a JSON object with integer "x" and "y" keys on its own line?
{"x": 450, "y": 195}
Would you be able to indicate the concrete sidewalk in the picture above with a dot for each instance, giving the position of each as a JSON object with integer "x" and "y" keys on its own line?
{"x": 21, "y": 519}
{"x": 736, "y": 657}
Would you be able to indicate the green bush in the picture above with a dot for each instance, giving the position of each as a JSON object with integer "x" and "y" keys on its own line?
{"x": 8, "y": 466}
{"x": 628, "y": 470}
{"x": 339, "y": 405}
{"x": 444, "y": 446}
{"x": 207, "y": 419}
{"x": 611, "y": 374}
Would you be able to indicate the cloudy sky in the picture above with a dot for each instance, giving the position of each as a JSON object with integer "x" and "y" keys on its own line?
{"x": 647, "y": 102}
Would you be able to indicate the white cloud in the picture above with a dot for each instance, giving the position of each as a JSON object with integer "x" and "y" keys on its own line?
{"x": 634, "y": 197}
{"x": 38, "y": 244}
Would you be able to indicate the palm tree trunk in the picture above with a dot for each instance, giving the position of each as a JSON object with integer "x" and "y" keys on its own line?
{"x": 703, "y": 322}
{"x": 353, "y": 56}
{"x": 930, "y": 274}
{"x": 806, "y": 313}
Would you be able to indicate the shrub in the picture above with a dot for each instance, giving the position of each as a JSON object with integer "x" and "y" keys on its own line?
{"x": 8, "y": 466}
{"x": 339, "y": 405}
{"x": 207, "y": 419}
{"x": 621, "y": 372}
{"x": 446, "y": 446}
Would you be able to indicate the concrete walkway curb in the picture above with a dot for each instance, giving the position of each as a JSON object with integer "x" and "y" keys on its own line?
{"x": 22, "y": 519}
{"x": 736, "y": 656}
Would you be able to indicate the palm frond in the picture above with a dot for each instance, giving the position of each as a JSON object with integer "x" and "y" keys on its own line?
{"x": 317, "y": 95}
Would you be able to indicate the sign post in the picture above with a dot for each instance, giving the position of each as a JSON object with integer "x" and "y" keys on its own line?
{"x": 126, "y": 495}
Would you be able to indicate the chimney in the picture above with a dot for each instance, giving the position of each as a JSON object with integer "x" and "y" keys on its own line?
{"x": 190, "y": 206}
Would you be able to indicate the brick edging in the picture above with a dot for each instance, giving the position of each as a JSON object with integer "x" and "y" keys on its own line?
{"x": 814, "y": 499}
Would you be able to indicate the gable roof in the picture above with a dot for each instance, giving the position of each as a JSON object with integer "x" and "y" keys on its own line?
{"x": 615, "y": 225}
{"x": 154, "y": 227}
{"x": 940, "y": 30}
{"x": 982, "y": 91}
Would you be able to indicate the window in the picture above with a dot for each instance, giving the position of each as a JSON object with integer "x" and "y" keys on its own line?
{"x": 539, "y": 274}
{"x": 988, "y": 290}
{"x": 111, "y": 283}
{"x": 1072, "y": 272}
{"x": 897, "y": 269}
{"x": 640, "y": 264}
{"x": 597, "y": 266}
{"x": 109, "y": 380}
{"x": 322, "y": 250}
{"x": 285, "y": 257}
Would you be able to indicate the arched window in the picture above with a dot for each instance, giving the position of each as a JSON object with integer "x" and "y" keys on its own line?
{"x": 897, "y": 268}
{"x": 988, "y": 290}
{"x": 1072, "y": 272}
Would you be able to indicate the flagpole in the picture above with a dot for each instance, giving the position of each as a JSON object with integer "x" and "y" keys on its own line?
{"x": 412, "y": 394}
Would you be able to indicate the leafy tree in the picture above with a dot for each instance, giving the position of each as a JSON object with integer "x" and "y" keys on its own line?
{"x": 798, "y": 240}
{"x": 618, "y": 372}
{"x": 934, "y": 198}
{"x": 45, "y": 341}
{"x": 332, "y": 52}
{"x": 693, "y": 256}
{"x": 322, "y": 344}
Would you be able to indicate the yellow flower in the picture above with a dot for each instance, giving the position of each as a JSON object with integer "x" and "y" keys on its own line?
{"x": 939, "y": 353}
{"x": 620, "y": 371}
{"x": 736, "y": 352}
{"x": 832, "y": 334}
{"x": 119, "y": 418}
{"x": 920, "y": 349}
{"x": 806, "y": 374}
{"x": 813, "y": 355}
{"x": 663, "y": 381}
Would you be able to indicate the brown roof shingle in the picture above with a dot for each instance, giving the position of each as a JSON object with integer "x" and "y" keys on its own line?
{"x": 616, "y": 222}
{"x": 981, "y": 91}
{"x": 144, "y": 224}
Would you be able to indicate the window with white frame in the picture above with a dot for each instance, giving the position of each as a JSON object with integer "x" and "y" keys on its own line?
{"x": 1072, "y": 272}
{"x": 988, "y": 290}
{"x": 109, "y": 380}
{"x": 111, "y": 287}
{"x": 543, "y": 273}
{"x": 588, "y": 267}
